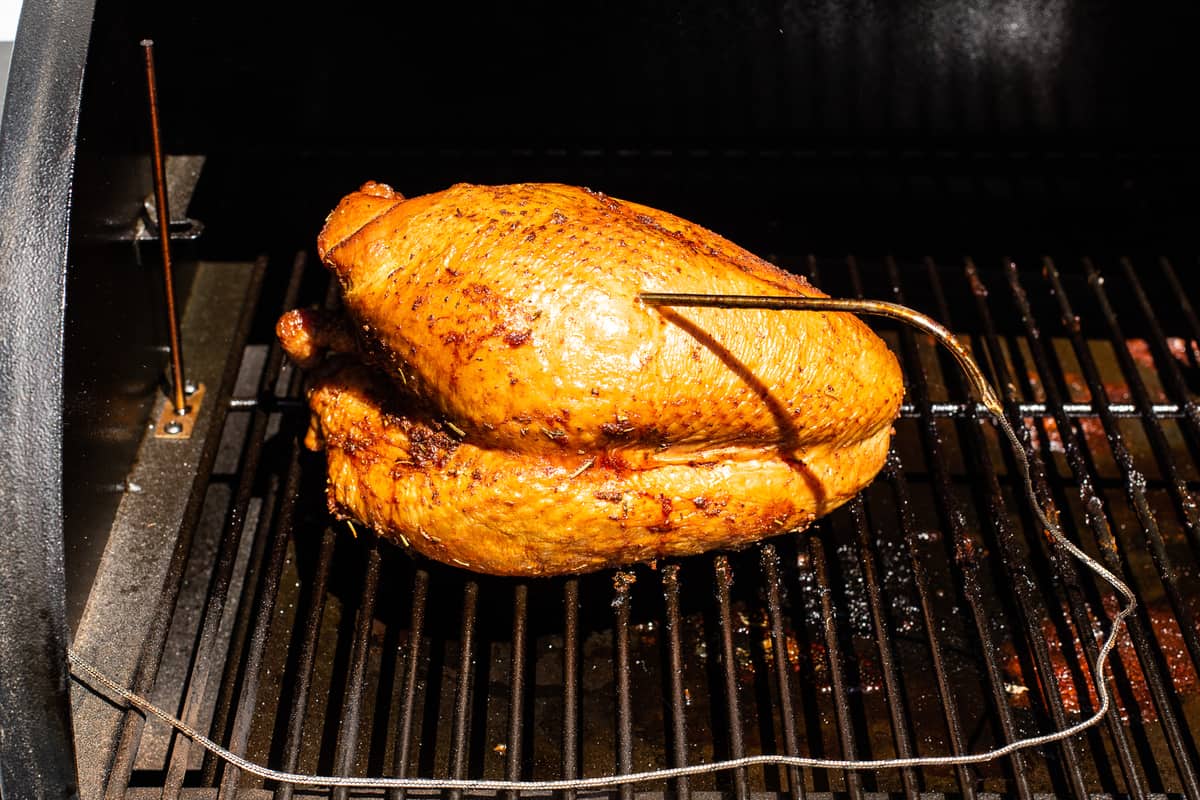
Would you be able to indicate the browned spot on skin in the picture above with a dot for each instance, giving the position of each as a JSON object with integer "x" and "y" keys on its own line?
{"x": 558, "y": 218}
{"x": 709, "y": 507}
{"x": 480, "y": 292}
{"x": 353, "y": 442}
{"x": 529, "y": 237}
{"x": 453, "y": 337}
{"x": 418, "y": 302}
{"x": 617, "y": 430}
{"x": 427, "y": 446}
{"x": 612, "y": 461}
{"x": 517, "y": 338}
{"x": 609, "y": 497}
{"x": 667, "y": 506}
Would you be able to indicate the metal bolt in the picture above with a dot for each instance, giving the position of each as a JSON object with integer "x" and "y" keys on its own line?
{"x": 189, "y": 388}
{"x": 173, "y": 427}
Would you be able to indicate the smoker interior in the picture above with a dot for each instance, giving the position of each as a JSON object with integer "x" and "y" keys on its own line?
{"x": 928, "y": 617}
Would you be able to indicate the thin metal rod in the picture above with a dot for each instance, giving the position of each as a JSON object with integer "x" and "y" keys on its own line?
{"x": 412, "y": 664}
{"x": 876, "y": 308}
{"x": 164, "y": 232}
{"x": 352, "y": 702}
{"x": 570, "y": 747}
{"x": 621, "y": 678}
{"x": 460, "y": 723}
{"x": 907, "y": 410}
{"x": 306, "y": 661}
{"x": 894, "y": 695}
{"x": 920, "y": 578}
{"x": 674, "y": 625}
{"x": 733, "y": 707}
{"x": 516, "y": 705}
{"x": 247, "y": 605}
{"x": 265, "y": 605}
{"x": 837, "y": 664}
{"x": 769, "y": 560}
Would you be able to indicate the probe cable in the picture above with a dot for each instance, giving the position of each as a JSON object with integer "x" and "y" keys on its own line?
{"x": 94, "y": 678}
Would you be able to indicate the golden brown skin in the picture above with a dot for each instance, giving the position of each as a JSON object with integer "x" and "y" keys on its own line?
{"x": 524, "y": 413}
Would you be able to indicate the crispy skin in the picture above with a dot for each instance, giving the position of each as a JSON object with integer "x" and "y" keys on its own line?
{"x": 510, "y": 314}
{"x": 404, "y": 473}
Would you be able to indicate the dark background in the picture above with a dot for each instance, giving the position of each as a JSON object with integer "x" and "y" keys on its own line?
{"x": 939, "y": 126}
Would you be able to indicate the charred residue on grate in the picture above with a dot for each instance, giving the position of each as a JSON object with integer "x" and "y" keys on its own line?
{"x": 927, "y": 617}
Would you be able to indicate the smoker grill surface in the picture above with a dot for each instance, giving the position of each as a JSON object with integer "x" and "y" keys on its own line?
{"x": 928, "y": 617}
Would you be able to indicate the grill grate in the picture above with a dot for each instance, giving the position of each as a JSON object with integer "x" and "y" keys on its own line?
{"x": 927, "y": 617}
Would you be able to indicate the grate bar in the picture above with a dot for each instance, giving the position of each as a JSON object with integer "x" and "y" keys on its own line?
{"x": 769, "y": 558}
{"x": 894, "y": 696}
{"x": 306, "y": 661}
{"x": 1135, "y": 481}
{"x": 1164, "y": 361}
{"x": 622, "y": 581}
{"x": 957, "y": 740}
{"x": 1185, "y": 505}
{"x": 265, "y": 605}
{"x": 1067, "y": 573}
{"x": 246, "y": 613}
{"x": 202, "y": 665}
{"x": 1180, "y": 295}
{"x": 516, "y": 705}
{"x": 273, "y": 508}
{"x": 130, "y": 735}
{"x": 957, "y": 410}
{"x": 460, "y": 726}
{"x": 570, "y": 751}
{"x": 723, "y": 574}
{"x": 674, "y": 625}
{"x": 837, "y": 668}
{"x": 1033, "y": 409}
{"x": 352, "y": 700}
{"x": 893, "y": 471}
{"x": 412, "y": 673}
{"x": 1139, "y": 626}
{"x": 1065, "y": 569}
{"x": 967, "y": 550}
{"x": 1030, "y": 608}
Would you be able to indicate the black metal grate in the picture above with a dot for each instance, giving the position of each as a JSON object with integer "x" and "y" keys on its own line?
{"x": 928, "y": 617}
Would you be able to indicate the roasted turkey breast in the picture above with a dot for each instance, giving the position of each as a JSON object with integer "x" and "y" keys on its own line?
{"x": 501, "y": 398}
